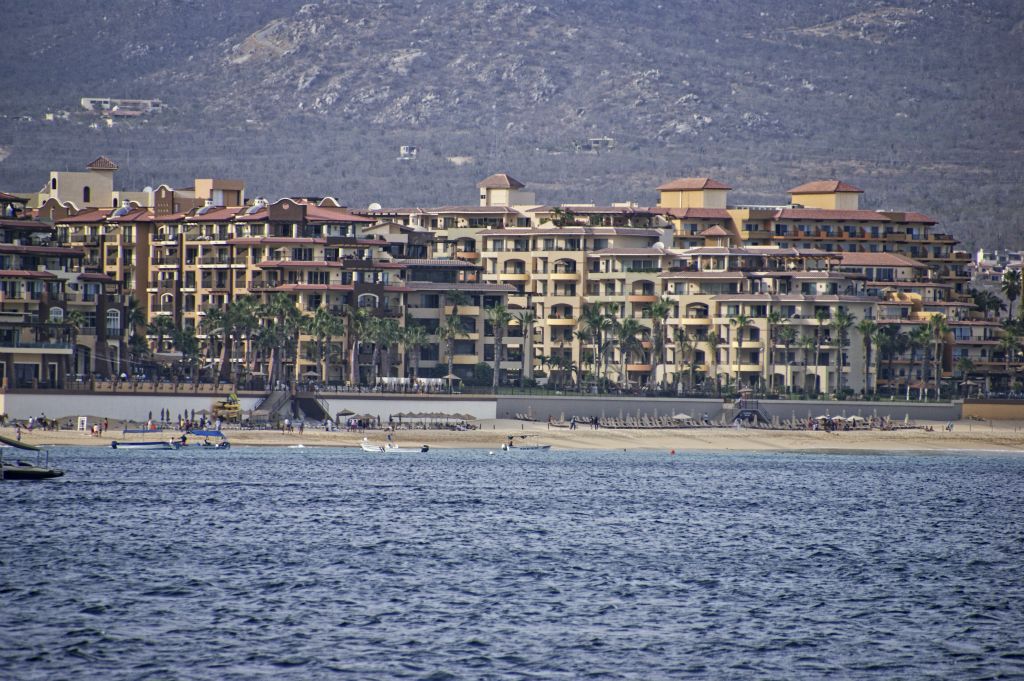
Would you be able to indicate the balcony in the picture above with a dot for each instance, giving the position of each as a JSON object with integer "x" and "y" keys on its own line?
{"x": 465, "y": 359}
{"x": 48, "y": 348}
{"x": 467, "y": 255}
{"x": 514, "y": 276}
{"x": 561, "y": 321}
{"x": 564, "y": 276}
{"x": 215, "y": 260}
{"x": 641, "y": 298}
{"x": 467, "y": 310}
{"x": 639, "y": 368}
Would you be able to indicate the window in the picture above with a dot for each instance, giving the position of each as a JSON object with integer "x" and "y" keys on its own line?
{"x": 56, "y": 315}
{"x": 53, "y": 183}
{"x": 113, "y": 322}
{"x": 86, "y": 194}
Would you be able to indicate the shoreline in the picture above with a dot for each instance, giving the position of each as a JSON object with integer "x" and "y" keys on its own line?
{"x": 967, "y": 436}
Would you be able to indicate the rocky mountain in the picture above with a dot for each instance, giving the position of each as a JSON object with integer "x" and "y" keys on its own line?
{"x": 916, "y": 101}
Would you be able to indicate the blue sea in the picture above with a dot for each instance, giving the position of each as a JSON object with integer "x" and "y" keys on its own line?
{"x": 338, "y": 564}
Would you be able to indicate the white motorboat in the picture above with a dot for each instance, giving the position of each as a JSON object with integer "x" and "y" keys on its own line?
{"x": 152, "y": 444}
{"x": 392, "y": 448}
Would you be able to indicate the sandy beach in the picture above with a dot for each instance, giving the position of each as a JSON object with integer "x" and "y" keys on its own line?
{"x": 999, "y": 436}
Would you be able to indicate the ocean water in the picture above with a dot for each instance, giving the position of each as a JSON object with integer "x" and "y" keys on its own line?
{"x": 335, "y": 564}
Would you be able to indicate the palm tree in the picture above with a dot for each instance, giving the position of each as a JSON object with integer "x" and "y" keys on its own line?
{"x": 965, "y": 366}
{"x": 896, "y": 344}
{"x": 161, "y": 327}
{"x": 74, "y": 320}
{"x": 282, "y": 321}
{"x": 938, "y": 329}
{"x": 449, "y": 329}
{"x": 373, "y": 331}
{"x": 684, "y": 348}
{"x": 527, "y": 318}
{"x": 322, "y": 326}
{"x": 1009, "y": 343}
{"x": 822, "y": 316}
{"x": 1011, "y": 287}
{"x": 456, "y": 299}
{"x": 357, "y": 321}
{"x": 596, "y": 325}
{"x": 787, "y": 336}
{"x": 711, "y": 341}
{"x": 740, "y": 321}
{"x": 810, "y": 344}
{"x": 499, "y": 317}
{"x": 414, "y": 338}
{"x": 214, "y": 326}
{"x": 774, "y": 321}
{"x": 660, "y": 311}
{"x": 188, "y": 345}
{"x": 626, "y": 332}
{"x": 867, "y": 328}
{"x": 389, "y": 334}
{"x": 840, "y": 327}
{"x": 919, "y": 338}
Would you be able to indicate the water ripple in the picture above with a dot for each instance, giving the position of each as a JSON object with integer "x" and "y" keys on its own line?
{"x": 459, "y": 565}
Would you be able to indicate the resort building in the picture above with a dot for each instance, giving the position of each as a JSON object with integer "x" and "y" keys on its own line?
{"x": 817, "y": 295}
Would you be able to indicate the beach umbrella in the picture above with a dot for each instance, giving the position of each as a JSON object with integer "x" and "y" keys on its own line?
{"x": 681, "y": 417}
{"x": 346, "y": 412}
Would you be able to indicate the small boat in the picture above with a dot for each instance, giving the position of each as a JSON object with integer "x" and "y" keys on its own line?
{"x": 524, "y": 448}
{"x": 392, "y": 448}
{"x": 22, "y": 470}
{"x": 152, "y": 444}
{"x": 206, "y": 444}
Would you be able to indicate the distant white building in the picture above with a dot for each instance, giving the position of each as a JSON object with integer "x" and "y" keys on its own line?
{"x": 105, "y": 104}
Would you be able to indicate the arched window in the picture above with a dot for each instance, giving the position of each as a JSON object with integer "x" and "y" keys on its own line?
{"x": 56, "y": 315}
{"x": 113, "y": 322}
{"x": 86, "y": 194}
{"x": 53, "y": 183}
{"x": 115, "y": 203}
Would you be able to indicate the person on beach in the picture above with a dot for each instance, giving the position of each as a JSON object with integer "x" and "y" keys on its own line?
{"x": 17, "y": 432}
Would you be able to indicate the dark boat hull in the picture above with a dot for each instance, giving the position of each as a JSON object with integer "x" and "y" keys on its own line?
{"x": 12, "y": 472}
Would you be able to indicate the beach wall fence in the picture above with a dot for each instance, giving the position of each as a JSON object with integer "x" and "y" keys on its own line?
{"x": 897, "y": 411}
{"x": 994, "y": 410}
{"x": 134, "y": 407}
{"x": 385, "y": 406}
{"x": 541, "y": 408}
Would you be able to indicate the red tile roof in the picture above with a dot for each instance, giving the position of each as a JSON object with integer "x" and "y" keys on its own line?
{"x": 828, "y": 214}
{"x": 572, "y": 231}
{"x": 4, "y": 196}
{"x": 475, "y": 210}
{"x": 910, "y": 216}
{"x": 102, "y": 163}
{"x": 868, "y": 259}
{"x": 26, "y": 274}
{"x": 30, "y": 225}
{"x": 714, "y": 230}
{"x": 96, "y": 276}
{"x": 315, "y": 213}
{"x": 692, "y": 183}
{"x": 500, "y": 181}
{"x": 214, "y": 214}
{"x": 91, "y": 215}
{"x": 42, "y": 250}
{"x": 694, "y": 213}
{"x": 825, "y": 187}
